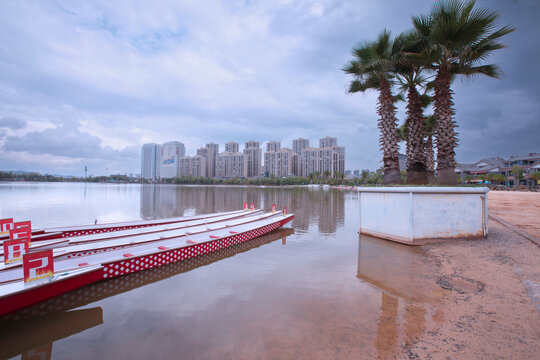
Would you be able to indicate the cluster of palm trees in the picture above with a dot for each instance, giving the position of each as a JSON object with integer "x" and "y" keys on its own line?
{"x": 453, "y": 39}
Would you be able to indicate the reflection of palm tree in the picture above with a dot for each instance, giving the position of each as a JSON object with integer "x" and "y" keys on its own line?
{"x": 387, "y": 334}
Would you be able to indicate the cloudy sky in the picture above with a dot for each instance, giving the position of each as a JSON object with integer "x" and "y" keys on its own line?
{"x": 87, "y": 83}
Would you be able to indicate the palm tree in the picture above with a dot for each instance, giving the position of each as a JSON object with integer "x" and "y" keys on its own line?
{"x": 372, "y": 67}
{"x": 457, "y": 40}
{"x": 429, "y": 125}
{"x": 411, "y": 78}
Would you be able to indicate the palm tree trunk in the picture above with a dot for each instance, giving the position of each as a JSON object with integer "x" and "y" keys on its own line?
{"x": 445, "y": 136}
{"x": 430, "y": 159}
{"x": 416, "y": 154}
{"x": 388, "y": 138}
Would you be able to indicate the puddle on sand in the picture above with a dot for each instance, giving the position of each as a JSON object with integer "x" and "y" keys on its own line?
{"x": 406, "y": 278}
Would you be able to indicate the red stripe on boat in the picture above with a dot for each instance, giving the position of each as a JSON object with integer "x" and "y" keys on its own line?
{"x": 83, "y": 264}
{"x": 163, "y": 248}
{"x": 128, "y": 255}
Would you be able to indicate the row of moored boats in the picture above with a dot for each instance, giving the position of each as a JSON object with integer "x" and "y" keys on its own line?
{"x": 36, "y": 265}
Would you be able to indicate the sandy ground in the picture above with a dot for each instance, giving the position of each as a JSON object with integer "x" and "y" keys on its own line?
{"x": 491, "y": 309}
{"x": 522, "y": 209}
{"x": 486, "y": 312}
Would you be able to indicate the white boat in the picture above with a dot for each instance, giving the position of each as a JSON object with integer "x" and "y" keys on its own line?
{"x": 158, "y": 230}
{"x": 79, "y": 230}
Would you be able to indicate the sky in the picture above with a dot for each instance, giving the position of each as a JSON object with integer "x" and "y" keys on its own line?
{"x": 87, "y": 83}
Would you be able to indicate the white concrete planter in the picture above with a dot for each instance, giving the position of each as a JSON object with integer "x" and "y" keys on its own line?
{"x": 414, "y": 215}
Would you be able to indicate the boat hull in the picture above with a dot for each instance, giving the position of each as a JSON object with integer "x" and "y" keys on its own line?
{"x": 46, "y": 291}
{"x": 164, "y": 257}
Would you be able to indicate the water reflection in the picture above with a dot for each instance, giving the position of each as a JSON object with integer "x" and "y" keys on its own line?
{"x": 33, "y": 338}
{"x": 406, "y": 278}
{"x": 327, "y": 208}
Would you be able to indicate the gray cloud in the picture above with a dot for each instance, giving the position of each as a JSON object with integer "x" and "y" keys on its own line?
{"x": 66, "y": 142}
{"x": 12, "y": 123}
{"x": 99, "y": 79}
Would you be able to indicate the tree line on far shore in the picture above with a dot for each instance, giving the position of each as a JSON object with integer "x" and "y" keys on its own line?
{"x": 366, "y": 178}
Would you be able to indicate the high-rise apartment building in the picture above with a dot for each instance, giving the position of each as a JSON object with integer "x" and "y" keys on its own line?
{"x": 271, "y": 163}
{"x": 273, "y": 146}
{"x": 309, "y": 161}
{"x": 254, "y": 157}
{"x": 279, "y": 163}
{"x": 150, "y": 161}
{"x": 339, "y": 166}
{"x": 210, "y": 152}
{"x": 327, "y": 142}
{"x": 328, "y": 159}
{"x": 232, "y": 147}
{"x": 231, "y": 165}
{"x": 300, "y": 144}
{"x": 171, "y": 152}
{"x": 192, "y": 166}
{"x": 286, "y": 160}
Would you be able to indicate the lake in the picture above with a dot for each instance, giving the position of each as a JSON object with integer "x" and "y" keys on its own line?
{"x": 315, "y": 289}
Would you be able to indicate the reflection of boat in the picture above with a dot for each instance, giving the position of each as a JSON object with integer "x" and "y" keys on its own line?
{"x": 19, "y": 336}
{"x": 118, "y": 285}
{"x": 72, "y": 273}
{"x": 71, "y": 231}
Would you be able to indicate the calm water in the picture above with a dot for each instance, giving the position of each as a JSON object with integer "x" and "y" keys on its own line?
{"x": 315, "y": 289}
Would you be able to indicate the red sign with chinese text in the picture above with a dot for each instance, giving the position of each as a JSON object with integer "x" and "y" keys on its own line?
{"x": 14, "y": 250}
{"x": 38, "y": 265}
{"x": 23, "y": 224}
{"x": 21, "y": 233}
{"x": 5, "y": 226}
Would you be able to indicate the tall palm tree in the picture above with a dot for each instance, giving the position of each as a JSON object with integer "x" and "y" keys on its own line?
{"x": 429, "y": 125}
{"x": 458, "y": 39}
{"x": 373, "y": 69}
{"x": 410, "y": 77}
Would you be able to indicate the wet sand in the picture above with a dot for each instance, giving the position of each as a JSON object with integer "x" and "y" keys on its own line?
{"x": 521, "y": 209}
{"x": 491, "y": 305}
{"x": 485, "y": 312}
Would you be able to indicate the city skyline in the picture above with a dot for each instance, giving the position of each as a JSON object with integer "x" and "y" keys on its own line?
{"x": 86, "y": 84}
{"x": 169, "y": 160}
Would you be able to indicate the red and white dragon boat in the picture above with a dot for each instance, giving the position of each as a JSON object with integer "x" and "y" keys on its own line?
{"x": 80, "y": 230}
{"x": 45, "y": 274}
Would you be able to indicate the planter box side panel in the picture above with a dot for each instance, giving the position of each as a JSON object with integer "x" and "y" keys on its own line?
{"x": 385, "y": 215}
{"x": 437, "y": 216}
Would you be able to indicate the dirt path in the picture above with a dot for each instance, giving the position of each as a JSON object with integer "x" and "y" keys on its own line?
{"x": 488, "y": 310}
{"x": 521, "y": 209}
